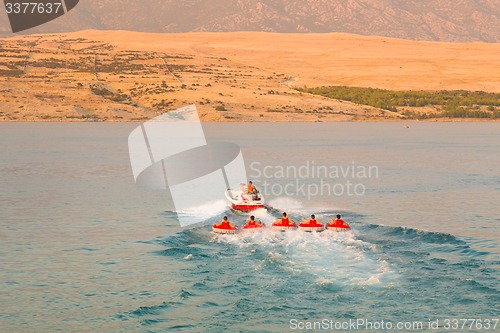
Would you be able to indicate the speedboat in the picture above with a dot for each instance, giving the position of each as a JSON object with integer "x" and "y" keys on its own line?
{"x": 244, "y": 202}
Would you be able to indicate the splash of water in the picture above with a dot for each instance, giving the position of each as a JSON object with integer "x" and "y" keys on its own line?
{"x": 205, "y": 212}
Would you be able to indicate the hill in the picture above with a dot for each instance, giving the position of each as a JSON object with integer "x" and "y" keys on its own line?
{"x": 436, "y": 20}
{"x": 124, "y": 76}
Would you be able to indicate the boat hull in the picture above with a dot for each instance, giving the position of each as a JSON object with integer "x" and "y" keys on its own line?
{"x": 246, "y": 208}
{"x": 242, "y": 202}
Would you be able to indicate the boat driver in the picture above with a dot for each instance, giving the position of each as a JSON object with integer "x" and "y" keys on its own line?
{"x": 251, "y": 189}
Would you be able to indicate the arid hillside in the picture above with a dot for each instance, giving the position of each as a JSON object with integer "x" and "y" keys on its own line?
{"x": 124, "y": 76}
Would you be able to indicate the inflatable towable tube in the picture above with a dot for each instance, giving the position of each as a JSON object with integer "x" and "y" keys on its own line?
{"x": 253, "y": 227}
{"x": 224, "y": 229}
{"x": 284, "y": 226}
{"x": 339, "y": 226}
{"x": 311, "y": 226}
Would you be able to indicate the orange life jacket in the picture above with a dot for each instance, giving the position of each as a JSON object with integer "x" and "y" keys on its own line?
{"x": 285, "y": 220}
{"x": 250, "y": 222}
{"x": 225, "y": 224}
{"x": 250, "y": 188}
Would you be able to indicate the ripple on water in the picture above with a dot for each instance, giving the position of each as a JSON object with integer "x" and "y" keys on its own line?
{"x": 235, "y": 277}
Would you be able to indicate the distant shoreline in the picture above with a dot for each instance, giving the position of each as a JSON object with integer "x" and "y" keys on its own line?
{"x": 409, "y": 122}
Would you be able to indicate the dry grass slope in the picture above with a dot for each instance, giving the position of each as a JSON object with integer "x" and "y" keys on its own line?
{"x": 125, "y": 76}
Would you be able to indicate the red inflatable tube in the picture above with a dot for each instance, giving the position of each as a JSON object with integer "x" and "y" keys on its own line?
{"x": 338, "y": 226}
{"x": 224, "y": 230}
{"x": 284, "y": 226}
{"x": 253, "y": 227}
{"x": 311, "y": 226}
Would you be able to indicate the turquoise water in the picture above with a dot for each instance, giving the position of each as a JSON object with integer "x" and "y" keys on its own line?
{"x": 83, "y": 249}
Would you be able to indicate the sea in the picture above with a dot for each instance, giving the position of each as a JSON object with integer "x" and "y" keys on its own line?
{"x": 83, "y": 248}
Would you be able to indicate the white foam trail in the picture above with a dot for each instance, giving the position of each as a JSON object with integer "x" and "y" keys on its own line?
{"x": 295, "y": 206}
{"x": 286, "y": 204}
{"x": 334, "y": 258}
{"x": 205, "y": 212}
{"x": 263, "y": 215}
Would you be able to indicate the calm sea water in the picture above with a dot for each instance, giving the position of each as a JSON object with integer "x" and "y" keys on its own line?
{"x": 83, "y": 249}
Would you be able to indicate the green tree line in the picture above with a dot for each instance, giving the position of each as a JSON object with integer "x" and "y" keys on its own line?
{"x": 455, "y": 104}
